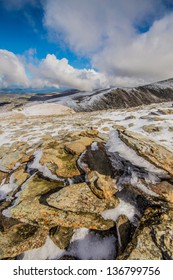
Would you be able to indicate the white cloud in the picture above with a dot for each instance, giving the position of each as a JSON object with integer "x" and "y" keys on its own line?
{"x": 148, "y": 56}
{"x": 12, "y": 71}
{"x": 108, "y": 32}
{"x": 54, "y": 72}
{"x": 50, "y": 72}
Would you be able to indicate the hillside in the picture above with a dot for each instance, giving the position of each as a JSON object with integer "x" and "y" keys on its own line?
{"x": 119, "y": 98}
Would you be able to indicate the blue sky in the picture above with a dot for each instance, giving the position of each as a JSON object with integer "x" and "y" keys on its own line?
{"x": 85, "y": 44}
{"x": 23, "y": 29}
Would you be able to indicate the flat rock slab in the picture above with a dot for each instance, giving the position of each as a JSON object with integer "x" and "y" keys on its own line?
{"x": 32, "y": 207}
{"x": 153, "y": 240}
{"x": 79, "y": 198}
{"x": 155, "y": 153}
{"x": 61, "y": 156}
{"x": 20, "y": 238}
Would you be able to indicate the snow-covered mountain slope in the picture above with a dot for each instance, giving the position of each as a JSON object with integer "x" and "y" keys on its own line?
{"x": 119, "y": 98}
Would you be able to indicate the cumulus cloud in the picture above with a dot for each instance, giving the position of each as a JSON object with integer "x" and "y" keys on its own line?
{"x": 87, "y": 26}
{"x": 12, "y": 71}
{"x": 49, "y": 72}
{"x": 54, "y": 72}
{"x": 128, "y": 43}
{"x": 148, "y": 55}
{"x": 109, "y": 32}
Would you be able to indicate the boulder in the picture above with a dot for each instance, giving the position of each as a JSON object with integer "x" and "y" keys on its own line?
{"x": 164, "y": 189}
{"x": 79, "y": 198}
{"x": 36, "y": 205}
{"x": 153, "y": 238}
{"x": 19, "y": 238}
{"x": 61, "y": 156}
{"x": 102, "y": 186}
{"x": 13, "y": 155}
{"x": 61, "y": 236}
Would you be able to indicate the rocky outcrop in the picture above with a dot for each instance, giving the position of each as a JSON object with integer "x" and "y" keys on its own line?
{"x": 164, "y": 189}
{"x": 79, "y": 198}
{"x": 153, "y": 239}
{"x": 61, "y": 236}
{"x": 19, "y": 238}
{"x": 74, "y": 181}
{"x": 36, "y": 205}
{"x": 147, "y": 148}
{"x": 61, "y": 156}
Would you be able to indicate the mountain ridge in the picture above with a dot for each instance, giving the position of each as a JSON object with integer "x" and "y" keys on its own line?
{"x": 120, "y": 98}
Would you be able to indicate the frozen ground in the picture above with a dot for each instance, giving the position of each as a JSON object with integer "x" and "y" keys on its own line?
{"x": 33, "y": 127}
{"x": 35, "y": 124}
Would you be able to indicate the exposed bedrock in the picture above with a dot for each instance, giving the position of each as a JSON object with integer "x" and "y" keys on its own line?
{"x": 119, "y": 191}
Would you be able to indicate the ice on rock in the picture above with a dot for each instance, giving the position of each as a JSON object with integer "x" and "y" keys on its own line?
{"x": 43, "y": 169}
{"x": 5, "y": 189}
{"x": 123, "y": 208}
{"x": 115, "y": 144}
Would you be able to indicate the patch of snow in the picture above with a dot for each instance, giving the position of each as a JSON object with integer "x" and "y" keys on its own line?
{"x": 123, "y": 208}
{"x": 115, "y": 144}
{"x": 80, "y": 162}
{"x": 80, "y": 233}
{"x": 136, "y": 182}
{"x": 43, "y": 169}
{"x": 16, "y": 165}
{"x": 49, "y": 251}
{"x": 94, "y": 146}
{"x": 91, "y": 246}
{"x": 5, "y": 189}
{"x": 46, "y": 109}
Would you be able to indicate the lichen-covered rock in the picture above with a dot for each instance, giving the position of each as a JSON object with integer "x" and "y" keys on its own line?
{"x": 102, "y": 186}
{"x": 61, "y": 156}
{"x": 153, "y": 240}
{"x": 19, "y": 238}
{"x": 79, "y": 198}
{"x": 33, "y": 208}
{"x": 152, "y": 128}
{"x": 20, "y": 176}
{"x": 13, "y": 155}
{"x": 164, "y": 189}
{"x": 61, "y": 236}
{"x": 157, "y": 154}
{"x": 77, "y": 147}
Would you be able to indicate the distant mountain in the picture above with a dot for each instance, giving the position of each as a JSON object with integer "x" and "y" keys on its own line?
{"x": 99, "y": 99}
{"x": 119, "y": 97}
{"x": 54, "y": 95}
{"x": 44, "y": 90}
